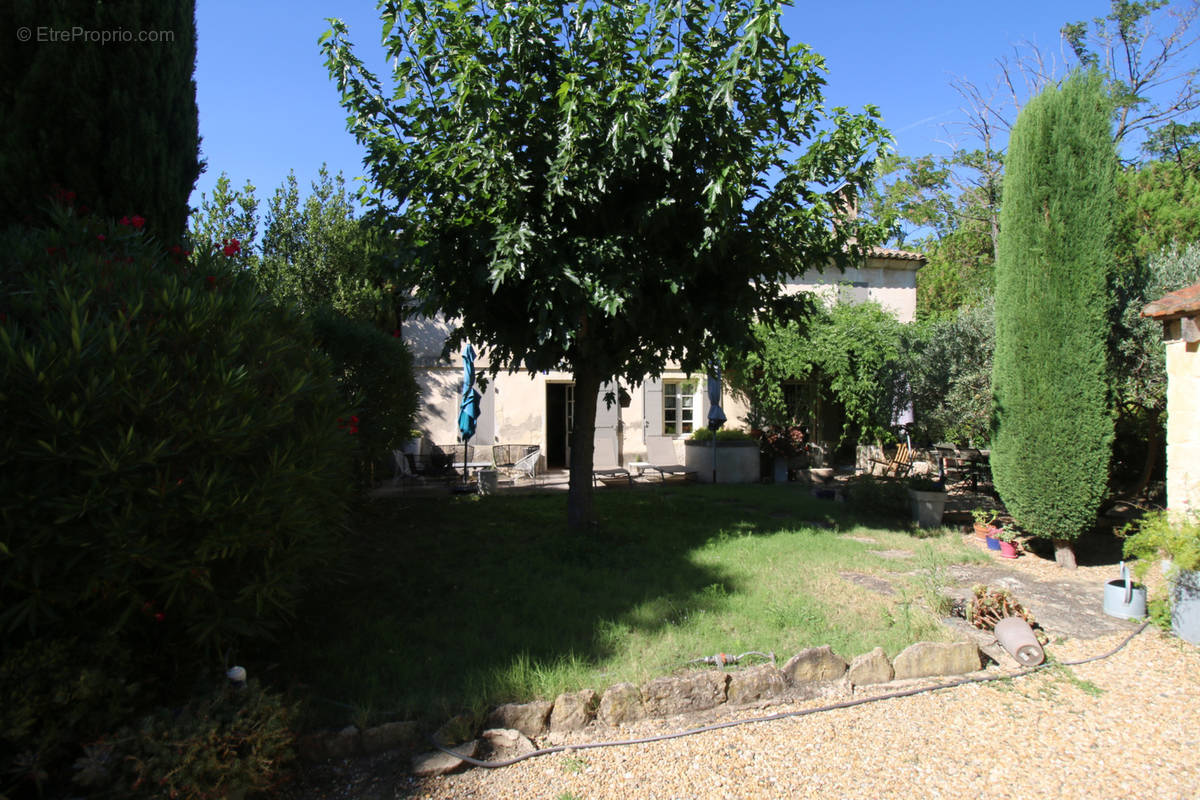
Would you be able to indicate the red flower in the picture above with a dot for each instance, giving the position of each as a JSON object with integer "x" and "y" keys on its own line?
{"x": 101, "y": 237}
{"x": 353, "y": 420}
{"x": 124, "y": 221}
{"x": 137, "y": 221}
{"x": 396, "y": 333}
{"x": 232, "y": 248}
{"x": 159, "y": 617}
{"x": 212, "y": 281}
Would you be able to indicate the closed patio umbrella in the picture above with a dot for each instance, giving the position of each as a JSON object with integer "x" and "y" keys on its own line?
{"x": 716, "y": 416}
{"x": 468, "y": 413}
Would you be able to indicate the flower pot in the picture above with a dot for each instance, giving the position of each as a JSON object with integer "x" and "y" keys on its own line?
{"x": 981, "y": 530}
{"x": 993, "y": 543}
{"x": 1185, "y": 605}
{"x": 1008, "y": 549}
{"x": 927, "y": 507}
{"x": 489, "y": 481}
{"x": 1015, "y": 636}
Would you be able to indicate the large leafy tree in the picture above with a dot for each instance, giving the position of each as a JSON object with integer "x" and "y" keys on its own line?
{"x": 1050, "y": 453}
{"x": 603, "y": 186}
{"x": 114, "y": 122}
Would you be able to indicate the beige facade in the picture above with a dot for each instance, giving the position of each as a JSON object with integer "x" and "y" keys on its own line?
{"x": 520, "y": 408}
{"x": 1179, "y": 313}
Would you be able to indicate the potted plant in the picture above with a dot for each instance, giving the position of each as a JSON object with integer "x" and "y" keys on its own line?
{"x": 1007, "y": 539}
{"x": 985, "y": 521}
{"x": 927, "y": 498}
{"x": 1175, "y": 537}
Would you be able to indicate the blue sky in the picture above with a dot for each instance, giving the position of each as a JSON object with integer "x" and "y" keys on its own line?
{"x": 267, "y": 105}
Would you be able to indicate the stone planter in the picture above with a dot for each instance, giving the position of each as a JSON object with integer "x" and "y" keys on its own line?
{"x": 737, "y": 461}
{"x": 1185, "y": 605}
{"x": 927, "y": 507}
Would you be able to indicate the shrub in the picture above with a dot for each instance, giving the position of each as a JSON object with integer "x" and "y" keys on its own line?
{"x": 723, "y": 435}
{"x": 883, "y": 496}
{"x": 225, "y": 743}
{"x": 374, "y": 370}
{"x": 171, "y": 470}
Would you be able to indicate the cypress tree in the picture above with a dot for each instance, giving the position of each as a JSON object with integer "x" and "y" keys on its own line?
{"x": 97, "y": 98}
{"x": 1054, "y": 425}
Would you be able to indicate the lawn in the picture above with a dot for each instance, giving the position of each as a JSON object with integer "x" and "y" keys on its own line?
{"x": 458, "y": 603}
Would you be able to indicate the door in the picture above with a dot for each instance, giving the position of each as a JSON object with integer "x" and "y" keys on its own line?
{"x": 608, "y": 418}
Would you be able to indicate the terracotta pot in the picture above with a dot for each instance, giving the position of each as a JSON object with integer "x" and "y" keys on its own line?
{"x": 981, "y": 530}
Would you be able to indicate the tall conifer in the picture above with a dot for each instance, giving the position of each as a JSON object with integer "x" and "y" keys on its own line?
{"x": 1054, "y": 430}
{"x": 97, "y": 98}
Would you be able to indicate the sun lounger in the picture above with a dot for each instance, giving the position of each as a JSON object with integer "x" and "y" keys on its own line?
{"x": 660, "y": 453}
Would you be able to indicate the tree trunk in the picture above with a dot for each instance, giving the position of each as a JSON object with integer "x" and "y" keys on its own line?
{"x": 583, "y": 445}
{"x": 1064, "y": 553}
{"x": 1153, "y": 446}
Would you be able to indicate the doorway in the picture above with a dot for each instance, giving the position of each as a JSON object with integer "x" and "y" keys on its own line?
{"x": 560, "y": 421}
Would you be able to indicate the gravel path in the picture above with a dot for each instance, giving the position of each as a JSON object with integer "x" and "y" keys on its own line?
{"x": 1127, "y": 726}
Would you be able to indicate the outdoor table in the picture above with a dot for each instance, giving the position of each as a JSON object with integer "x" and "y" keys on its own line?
{"x": 973, "y": 459}
{"x": 638, "y": 466}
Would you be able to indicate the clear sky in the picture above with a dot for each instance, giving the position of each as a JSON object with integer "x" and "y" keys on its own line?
{"x": 267, "y": 105}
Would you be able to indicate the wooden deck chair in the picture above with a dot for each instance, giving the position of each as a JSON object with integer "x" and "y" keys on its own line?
{"x": 898, "y": 465}
{"x": 660, "y": 453}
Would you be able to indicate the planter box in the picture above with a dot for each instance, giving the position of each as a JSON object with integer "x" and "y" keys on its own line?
{"x": 927, "y": 507}
{"x": 1185, "y": 605}
{"x": 737, "y": 462}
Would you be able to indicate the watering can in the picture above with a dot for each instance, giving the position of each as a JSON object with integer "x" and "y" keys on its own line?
{"x": 1123, "y": 598}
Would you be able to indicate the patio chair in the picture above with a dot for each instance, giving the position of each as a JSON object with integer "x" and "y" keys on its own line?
{"x": 526, "y": 466}
{"x": 898, "y": 465}
{"x": 616, "y": 476}
{"x": 660, "y": 453}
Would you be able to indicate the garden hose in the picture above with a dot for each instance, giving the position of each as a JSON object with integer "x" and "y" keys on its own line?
{"x": 786, "y": 714}
{"x": 721, "y": 659}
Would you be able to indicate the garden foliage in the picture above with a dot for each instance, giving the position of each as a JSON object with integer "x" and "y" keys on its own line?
{"x": 1051, "y": 449}
{"x": 171, "y": 469}
{"x": 115, "y": 121}
{"x": 850, "y": 355}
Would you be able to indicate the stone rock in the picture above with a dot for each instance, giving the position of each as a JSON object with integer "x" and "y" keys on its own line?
{"x": 756, "y": 683}
{"x": 389, "y": 736}
{"x": 528, "y": 718}
{"x": 572, "y": 711}
{"x": 343, "y": 744}
{"x": 505, "y": 743}
{"x": 678, "y": 694}
{"x": 815, "y": 664}
{"x": 458, "y": 729}
{"x": 870, "y": 668}
{"x": 621, "y": 703}
{"x": 936, "y": 658}
{"x": 427, "y": 765}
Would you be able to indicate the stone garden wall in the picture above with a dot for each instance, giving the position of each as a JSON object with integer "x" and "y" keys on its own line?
{"x": 811, "y": 673}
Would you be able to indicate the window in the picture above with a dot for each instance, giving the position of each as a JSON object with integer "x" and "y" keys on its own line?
{"x": 679, "y": 407}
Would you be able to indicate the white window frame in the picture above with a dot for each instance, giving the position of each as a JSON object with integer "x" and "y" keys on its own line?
{"x": 679, "y": 407}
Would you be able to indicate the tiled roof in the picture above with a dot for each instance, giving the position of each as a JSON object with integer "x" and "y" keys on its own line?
{"x": 1176, "y": 304}
{"x": 902, "y": 255}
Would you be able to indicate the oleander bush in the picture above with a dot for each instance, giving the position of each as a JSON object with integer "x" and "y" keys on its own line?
{"x": 172, "y": 473}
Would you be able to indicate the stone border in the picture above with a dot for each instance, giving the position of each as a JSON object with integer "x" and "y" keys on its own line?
{"x": 814, "y": 672}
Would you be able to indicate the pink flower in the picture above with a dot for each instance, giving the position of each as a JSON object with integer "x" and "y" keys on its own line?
{"x": 101, "y": 237}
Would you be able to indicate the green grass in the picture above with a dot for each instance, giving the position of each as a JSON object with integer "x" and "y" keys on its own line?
{"x": 447, "y": 604}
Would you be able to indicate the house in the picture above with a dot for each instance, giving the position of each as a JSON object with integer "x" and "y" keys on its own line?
{"x": 539, "y": 409}
{"x": 1179, "y": 313}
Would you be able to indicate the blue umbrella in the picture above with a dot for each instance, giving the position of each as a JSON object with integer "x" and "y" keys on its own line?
{"x": 716, "y": 416}
{"x": 468, "y": 413}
